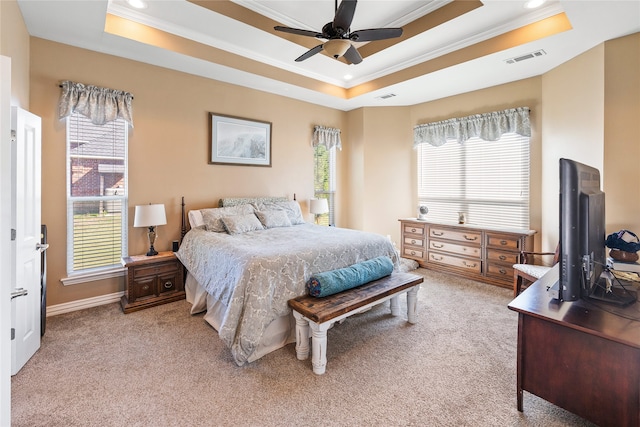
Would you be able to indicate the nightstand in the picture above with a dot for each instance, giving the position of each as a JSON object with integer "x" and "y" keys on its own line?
{"x": 151, "y": 281}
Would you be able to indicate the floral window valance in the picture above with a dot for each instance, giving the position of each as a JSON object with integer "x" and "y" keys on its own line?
{"x": 488, "y": 126}
{"x": 329, "y": 137}
{"x": 99, "y": 104}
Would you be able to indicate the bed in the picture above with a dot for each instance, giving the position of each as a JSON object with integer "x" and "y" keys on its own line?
{"x": 248, "y": 257}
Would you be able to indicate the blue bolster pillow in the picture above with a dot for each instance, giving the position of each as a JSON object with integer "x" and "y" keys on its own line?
{"x": 334, "y": 281}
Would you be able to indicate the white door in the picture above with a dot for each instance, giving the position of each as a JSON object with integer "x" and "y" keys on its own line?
{"x": 26, "y": 203}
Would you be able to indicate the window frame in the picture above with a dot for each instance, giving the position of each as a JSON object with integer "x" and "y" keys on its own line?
{"x": 478, "y": 207}
{"x": 328, "y": 218}
{"x": 100, "y": 272}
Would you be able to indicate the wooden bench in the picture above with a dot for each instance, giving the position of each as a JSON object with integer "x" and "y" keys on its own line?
{"x": 320, "y": 314}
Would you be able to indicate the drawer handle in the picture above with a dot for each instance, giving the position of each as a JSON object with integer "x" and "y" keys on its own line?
{"x": 503, "y": 242}
{"x": 502, "y": 271}
{"x": 436, "y": 233}
{"x": 469, "y": 265}
{"x": 471, "y": 238}
{"x": 502, "y": 257}
{"x": 437, "y": 246}
{"x": 413, "y": 242}
{"x": 168, "y": 284}
{"x": 436, "y": 258}
{"x": 413, "y": 230}
{"x": 413, "y": 252}
{"x": 145, "y": 288}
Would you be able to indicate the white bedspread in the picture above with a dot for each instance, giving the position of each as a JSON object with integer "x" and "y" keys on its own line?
{"x": 254, "y": 274}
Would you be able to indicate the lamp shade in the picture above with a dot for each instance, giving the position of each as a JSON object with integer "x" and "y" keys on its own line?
{"x": 149, "y": 216}
{"x": 318, "y": 206}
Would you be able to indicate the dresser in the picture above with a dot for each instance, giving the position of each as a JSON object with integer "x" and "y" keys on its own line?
{"x": 480, "y": 253}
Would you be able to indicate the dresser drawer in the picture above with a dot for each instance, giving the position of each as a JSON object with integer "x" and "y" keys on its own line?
{"x": 503, "y": 241}
{"x": 503, "y": 256}
{"x": 453, "y": 261}
{"x": 502, "y": 271}
{"x": 474, "y": 237}
{"x": 471, "y": 251}
{"x": 413, "y": 253}
{"x": 413, "y": 242}
{"x": 417, "y": 229}
{"x": 156, "y": 269}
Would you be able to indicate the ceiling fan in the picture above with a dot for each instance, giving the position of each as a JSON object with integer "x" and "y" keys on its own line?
{"x": 339, "y": 37}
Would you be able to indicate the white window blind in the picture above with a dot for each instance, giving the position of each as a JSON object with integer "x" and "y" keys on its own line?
{"x": 96, "y": 193}
{"x": 486, "y": 180}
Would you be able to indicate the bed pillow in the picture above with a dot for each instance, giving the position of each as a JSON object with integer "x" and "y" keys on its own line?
{"x": 291, "y": 207}
{"x": 272, "y": 219}
{"x": 212, "y": 217}
{"x": 238, "y": 224}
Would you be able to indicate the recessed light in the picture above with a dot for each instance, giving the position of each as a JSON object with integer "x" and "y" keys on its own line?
{"x": 138, "y": 4}
{"x": 347, "y": 77}
{"x": 532, "y": 4}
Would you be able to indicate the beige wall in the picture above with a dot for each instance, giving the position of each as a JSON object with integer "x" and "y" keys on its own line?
{"x": 168, "y": 147}
{"x": 622, "y": 133}
{"x": 14, "y": 43}
{"x": 573, "y": 117}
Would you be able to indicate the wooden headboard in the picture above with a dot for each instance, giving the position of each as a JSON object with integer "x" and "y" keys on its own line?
{"x": 230, "y": 201}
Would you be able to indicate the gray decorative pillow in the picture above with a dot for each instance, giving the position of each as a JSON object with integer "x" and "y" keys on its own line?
{"x": 291, "y": 207}
{"x": 271, "y": 219}
{"x": 238, "y": 224}
{"x": 212, "y": 217}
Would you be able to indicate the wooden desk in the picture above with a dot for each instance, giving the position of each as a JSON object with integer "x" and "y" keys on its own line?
{"x": 582, "y": 356}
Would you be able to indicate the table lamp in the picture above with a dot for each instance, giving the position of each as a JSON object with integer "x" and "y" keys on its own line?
{"x": 150, "y": 216}
{"x": 318, "y": 207}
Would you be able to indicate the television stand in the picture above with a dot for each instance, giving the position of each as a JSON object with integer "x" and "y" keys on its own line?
{"x": 615, "y": 295}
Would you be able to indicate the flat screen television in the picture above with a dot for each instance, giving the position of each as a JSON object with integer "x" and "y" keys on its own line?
{"x": 583, "y": 256}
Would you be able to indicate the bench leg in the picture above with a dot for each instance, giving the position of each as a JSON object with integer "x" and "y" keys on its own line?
{"x": 319, "y": 346}
{"x": 412, "y": 304}
{"x": 302, "y": 336}
{"x": 395, "y": 306}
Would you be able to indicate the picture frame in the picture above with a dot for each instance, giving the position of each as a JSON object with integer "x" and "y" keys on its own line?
{"x": 239, "y": 141}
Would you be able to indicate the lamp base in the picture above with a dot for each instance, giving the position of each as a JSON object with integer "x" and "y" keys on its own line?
{"x": 152, "y": 239}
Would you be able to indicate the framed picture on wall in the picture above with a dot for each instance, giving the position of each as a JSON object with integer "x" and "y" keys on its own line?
{"x": 238, "y": 141}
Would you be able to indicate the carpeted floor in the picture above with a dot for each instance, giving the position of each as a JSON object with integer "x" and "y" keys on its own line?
{"x": 164, "y": 367}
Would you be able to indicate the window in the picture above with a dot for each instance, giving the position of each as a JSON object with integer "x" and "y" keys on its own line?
{"x": 486, "y": 180}
{"x": 96, "y": 194}
{"x": 325, "y": 180}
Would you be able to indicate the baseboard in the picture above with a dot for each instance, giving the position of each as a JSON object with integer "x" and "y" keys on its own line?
{"x": 67, "y": 307}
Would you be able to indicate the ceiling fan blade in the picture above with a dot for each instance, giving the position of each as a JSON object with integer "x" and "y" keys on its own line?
{"x": 298, "y": 31}
{"x": 344, "y": 15}
{"x": 309, "y": 53}
{"x": 352, "y": 55}
{"x": 375, "y": 34}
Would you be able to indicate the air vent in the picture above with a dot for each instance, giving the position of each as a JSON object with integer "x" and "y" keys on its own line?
{"x": 387, "y": 96}
{"x": 526, "y": 56}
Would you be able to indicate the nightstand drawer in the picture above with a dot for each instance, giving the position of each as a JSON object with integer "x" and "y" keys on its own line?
{"x": 167, "y": 283}
{"x": 156, "y": 269}
{"x": 143, "y": 288}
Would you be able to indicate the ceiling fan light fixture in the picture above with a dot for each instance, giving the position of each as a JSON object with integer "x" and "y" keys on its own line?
{"x": 337, "y": 47}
